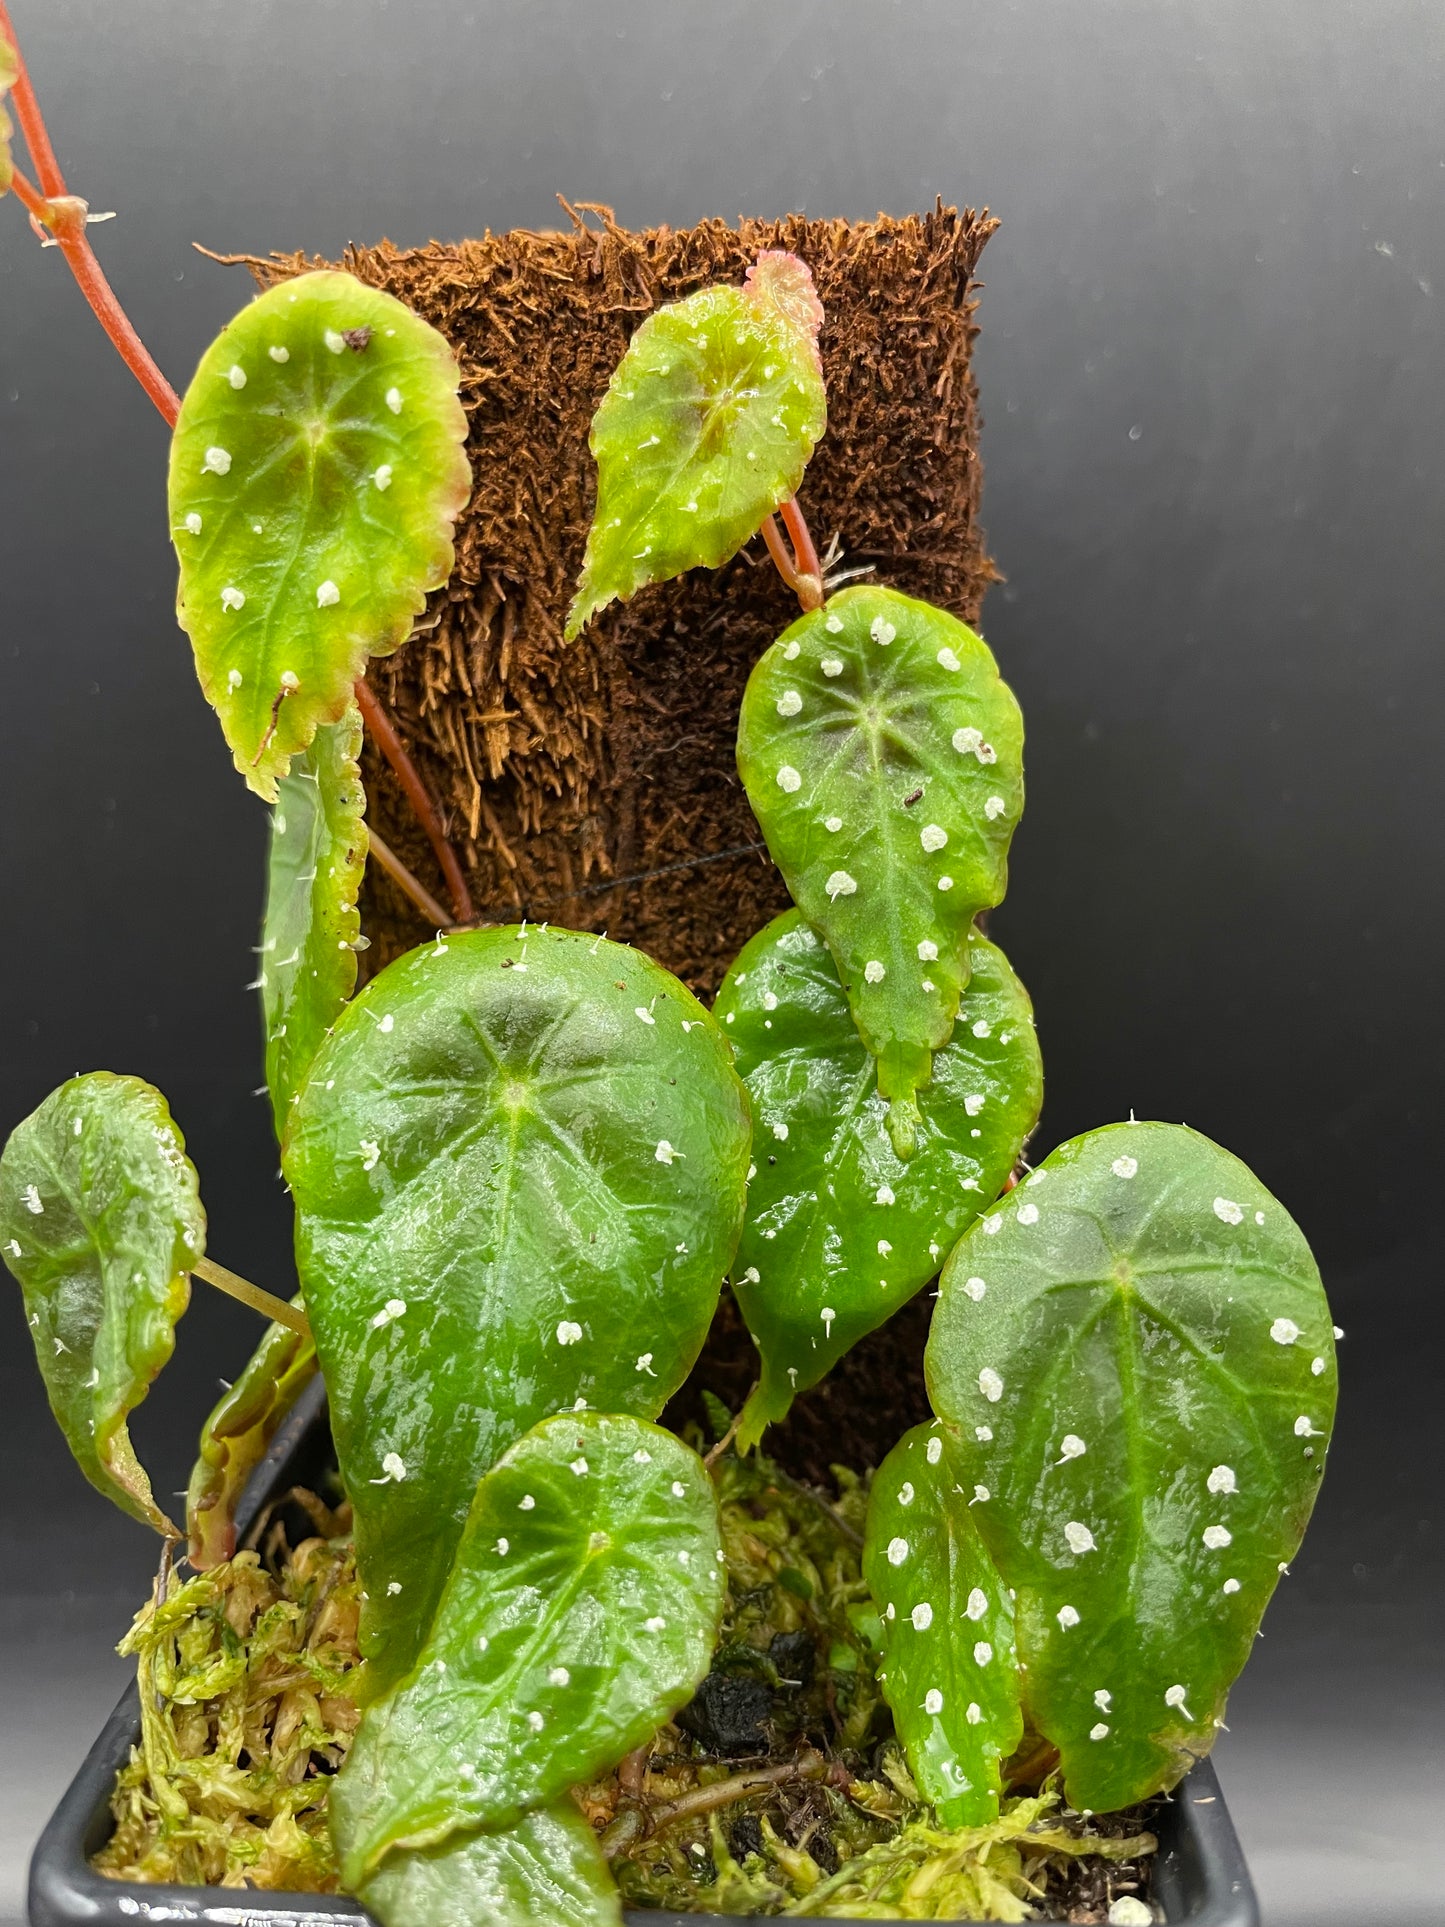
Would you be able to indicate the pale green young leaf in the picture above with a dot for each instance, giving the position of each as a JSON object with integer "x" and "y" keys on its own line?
{"x": 1135, "y": 1355}
{"x": 706, "y": 427}
{"x": 101, "y": 1222}
{"x": 840, "y": 1231}
{"x": 518, "y": 1166}
{"x": 316, "y": 472}
{"x": 949, "y": 1670}
{"x": 546, "y": 1871}
{"x": 236, "y": 1436}
{"x": 883, "y": 758}
{"x": 581, "y": 1612}
{"x": 308, "y": 938}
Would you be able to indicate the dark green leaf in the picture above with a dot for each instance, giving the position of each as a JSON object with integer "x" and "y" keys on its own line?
{"x": 316, "y": 471}
{"x": 705, "y": 428}
{"x": 581, "y": 1612}
{"x": 839, "y": 1231}
{"x": 1136, "y": 1354}
{"x": 518, "y": 1165}
{"x": 547, "y": 1871}
{"x": 101, "y": 1222}
{"x": 884, "y": 760}
{"x": 948, "y": 1638}
{"x": 308, "y": 939}
{"x": 235, "y": 1438}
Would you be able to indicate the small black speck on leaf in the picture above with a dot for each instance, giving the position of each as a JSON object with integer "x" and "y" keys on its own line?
{"x": 909, "y": 801}
{"x": 358, "y": 340}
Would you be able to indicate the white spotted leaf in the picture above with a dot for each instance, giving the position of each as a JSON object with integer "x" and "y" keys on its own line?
{"x": 883, "y": 758}
{"x": 840, "y": 1231}
{"x": 1150, "y": 1449}
{"x": 581, "y": 1612}
{"x": 706, "y": 427}
{"x": 308, "y": 937}
{"x": 101, "y": 1223}
{"x": 949, "y": 1671}
{"x": 521, "y": 1153}
{"x": 548, "y": 1868}
{"x": 316, "y": 472}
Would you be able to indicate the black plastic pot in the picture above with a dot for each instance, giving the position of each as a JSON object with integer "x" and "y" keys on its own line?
{"x": 1199, "y": 1872}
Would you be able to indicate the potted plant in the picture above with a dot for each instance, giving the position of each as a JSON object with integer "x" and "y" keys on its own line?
{"x": 508, "y": 1666}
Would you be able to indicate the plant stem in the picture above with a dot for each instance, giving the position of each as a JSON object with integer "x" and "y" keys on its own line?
{"x": 265, "y": 1302}
{"x": 798, "y": 565}
{"x": 722, "y": 1793}
{"x": 778, "y": 550}
{"x": 404, "y": 880}
{"x": 393, "y": 749}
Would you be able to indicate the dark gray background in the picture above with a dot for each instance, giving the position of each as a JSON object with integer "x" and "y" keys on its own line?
{"x": 1213, "y": 375}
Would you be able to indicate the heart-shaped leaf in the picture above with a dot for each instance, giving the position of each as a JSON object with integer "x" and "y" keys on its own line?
{"x": 518, "y": 1166}
{"x": 839, "y": 1231}
{"x": 1135, "y": 1352}
{"x": 546, "y": 1871}
{"x": 705, "y": 428}
{"x": 101, "y": 1222}
{"x": 884, "y": 760}
{"x": 9, "y": 73}
{"x": 235, "y": 1437}
{"x": 316, "y": 471}
{"x": 949, "y": 1671}
{"x": 308, "y": 939}
{"x": 581, "y": 1612}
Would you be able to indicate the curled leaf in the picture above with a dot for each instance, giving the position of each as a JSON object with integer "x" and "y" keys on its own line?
{"x": 706, "y": 426}
{"x": 1135, "y": 1355}
{"x": 316, "y": 472}
{"x": 883, "y": 759}
{"x": 546, "y": 1871}
{"x": 235, "y": 1438}
{"x": 839, "y": 1230}
{"x": 101, "y": 1222}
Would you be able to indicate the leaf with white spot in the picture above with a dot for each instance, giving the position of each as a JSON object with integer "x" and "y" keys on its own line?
{"x": 888, "y": 799}
{"x": 308, "y": 939}
{"x": 316, "y": 472}
{"x": 236, "y": 1436}
{"x": 706, "y": 427}
{"x": 1126, "y": 1315}
{"x": 101, "y": 1222}
{"x": 948, "y": 1647}
{"x": 9, "y": 71}
{"x": 487, "y": 1161}
{"x": 828, "y": 1198}
{"x": 546, "y": 1871}
{"x": 581, "y": 1612}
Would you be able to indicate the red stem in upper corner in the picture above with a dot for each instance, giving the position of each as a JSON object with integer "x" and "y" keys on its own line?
{"x": 394, "y": 750}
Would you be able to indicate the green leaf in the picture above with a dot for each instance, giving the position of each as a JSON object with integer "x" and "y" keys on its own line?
{"x": 101, "y": 1222}
{"x": 518, "y": 1166}
{"x": 1135, "y": 1352}
{"x": 547, "y": 1871}
{"x": 839, "y": 1231}
{"x": 9, "y": 73}
{"x": 706, "y": 427}
{"x": 949, "y": 1669}
{"x": 884, "y": 760}
{"x": 309, "y": 936}
{"x": 316, "y": 471}
{"x": 235, "y": 1438}
{"x": 581, "y": 1612}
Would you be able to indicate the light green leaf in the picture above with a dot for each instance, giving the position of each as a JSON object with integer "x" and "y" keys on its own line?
{"x": 1135, "y": 1354}
{"x": 9, "y": 72}
{"x": 518, "y": 1166}
{"x": 840, "y": 1231}
{"x": 581, "y": 1612}
{"x": 101, "y": 1222}
{"x": 236, "y": 1436}
{"x": 316, "y": 471}
{"x": 706, "y": 427}
{"x": 884, "y": 760}
{"x": 949, "y": 1670}
{"x": 308, "y": 939}
{"x": 547, "y": 1871}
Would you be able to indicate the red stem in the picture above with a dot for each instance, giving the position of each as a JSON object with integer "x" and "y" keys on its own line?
{"x": 32, "y": 124}
{"x": 393, "y": 749}
{"x": 805, "y": 556}
{"x": 798, "y": 565}
{"x": 778, "y": 550}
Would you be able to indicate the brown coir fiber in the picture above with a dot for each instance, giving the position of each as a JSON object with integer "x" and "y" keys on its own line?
{"x": 564, "y": 769}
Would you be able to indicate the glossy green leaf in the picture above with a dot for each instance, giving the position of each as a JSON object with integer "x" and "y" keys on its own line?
{"x": 309, "y": 936}
{"x": 9, "y": 71}
{"x": 236, "y": 1436}
{"x": 706, "y": 427}
{"x": 949, "y": 1671}
{"x": 518, "y": 1166}
{"x": 101, "y": 1222}
{"x": 547, "y": 1871}
{"x": 316, "y": 471}
{"x": 839, "y": 1231}
{"x": 884, "y": 760}
{"x": 1136, "y": 1355}
{"x": 581, "y": 1612}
